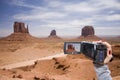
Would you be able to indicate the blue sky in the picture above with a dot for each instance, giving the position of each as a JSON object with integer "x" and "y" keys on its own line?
{"x": 67, "y": 17}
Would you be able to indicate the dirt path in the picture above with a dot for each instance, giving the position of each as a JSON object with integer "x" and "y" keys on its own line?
{"x": 30, "y": 62}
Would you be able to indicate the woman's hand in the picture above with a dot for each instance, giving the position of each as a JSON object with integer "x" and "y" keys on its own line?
{"x": 109, "y": 51}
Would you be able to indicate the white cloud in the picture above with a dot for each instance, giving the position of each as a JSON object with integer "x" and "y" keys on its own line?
{"x": 54, "y": 3}
{"x": 37, "y": 12}
{"x": 111, "y": 12}
{"x": 110, "y": 17}
{"x": 110, "y": 27}
{"x": 114, "y": 17}
{"x": 39, "y": 15}
{"x": 58, "y": 25}
{"x": 109, "y": 4}
{"x": 23, "y": 4}
{"x": 87, "y": 7}
{"x": 107, "y": 30}
{"x": 93, "y": 6}
{"x": 78, "y": 22}
{"x": 80, "y": 7}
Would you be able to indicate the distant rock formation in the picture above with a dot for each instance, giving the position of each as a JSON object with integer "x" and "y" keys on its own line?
{"x": 88, "y": 34}
{"x": 53, "y": 34}
{"x": 21, "y": 33}
{"x": 88, "y": 31}
{"x": 19, "y": 27}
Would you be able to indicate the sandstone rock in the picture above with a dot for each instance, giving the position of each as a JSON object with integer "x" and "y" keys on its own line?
{"x": 21, "y": 33}
{"x": 116, "y": 78}
{"x": 53, "y": 33}
{"x": 87, "y": 31}
{"x": 19, "y": 27}
{"x": 88, "y": 34}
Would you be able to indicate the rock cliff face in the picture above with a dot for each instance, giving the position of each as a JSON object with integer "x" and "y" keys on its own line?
{"x": 19, "y": 27}
{"x": 87, "y": 31}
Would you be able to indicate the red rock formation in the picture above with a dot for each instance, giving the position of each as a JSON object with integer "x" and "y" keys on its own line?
{"x": 88, "y": 34}
{"x": 87, "y": 31}
{"x": 19, "y": 27}
{"x": 21, "y": 33}
{"x": 53, "y": 34}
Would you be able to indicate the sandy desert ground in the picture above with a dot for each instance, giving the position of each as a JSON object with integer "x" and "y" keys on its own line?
{"x": 39, "y": 66}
